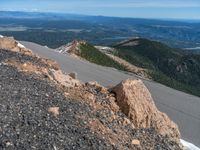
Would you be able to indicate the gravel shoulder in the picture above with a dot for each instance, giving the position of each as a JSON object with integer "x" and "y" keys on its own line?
{"x": 182, "y": 108}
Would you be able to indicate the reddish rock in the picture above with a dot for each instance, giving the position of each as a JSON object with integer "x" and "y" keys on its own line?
{"x": 136, "y": 102}
{"x": 9, "y": 43}
{"x": 135, "y": 142}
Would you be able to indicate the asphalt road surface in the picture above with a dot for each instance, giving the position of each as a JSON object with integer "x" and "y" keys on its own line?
{"x": 184, "y": 109}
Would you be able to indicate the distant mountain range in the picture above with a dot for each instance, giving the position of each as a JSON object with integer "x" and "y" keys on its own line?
{"x": 54, "y": 29}
{"x": 54, "y": 15}
{"x": 36, "y": 15}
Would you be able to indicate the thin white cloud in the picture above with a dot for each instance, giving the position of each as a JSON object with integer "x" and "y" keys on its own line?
{"x": 146, "y": 3}
{"x": 120, "y": 3}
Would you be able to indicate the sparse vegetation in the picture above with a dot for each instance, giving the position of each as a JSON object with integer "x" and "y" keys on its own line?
{"x": 93, "y": 55}
{"x": 166, "y": 65}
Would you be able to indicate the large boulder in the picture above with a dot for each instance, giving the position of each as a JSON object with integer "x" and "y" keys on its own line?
{"x": 136, "y": 102}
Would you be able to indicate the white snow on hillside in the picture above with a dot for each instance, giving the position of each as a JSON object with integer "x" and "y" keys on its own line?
{"x": 189, "y": 146}
{"x": 20, "y": 45}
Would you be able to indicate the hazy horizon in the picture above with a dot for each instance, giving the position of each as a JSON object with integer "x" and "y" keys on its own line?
{"x": 125, "y": 17}
{"x": 158, "y": 9}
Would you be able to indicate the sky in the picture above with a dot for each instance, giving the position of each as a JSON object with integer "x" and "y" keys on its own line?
{"x": 175, "y": 9}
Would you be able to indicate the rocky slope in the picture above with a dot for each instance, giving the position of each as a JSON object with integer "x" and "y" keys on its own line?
{"x": 43, "y": 108}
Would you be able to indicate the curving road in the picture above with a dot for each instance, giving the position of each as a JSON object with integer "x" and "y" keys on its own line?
{"x": 184, "y": 109}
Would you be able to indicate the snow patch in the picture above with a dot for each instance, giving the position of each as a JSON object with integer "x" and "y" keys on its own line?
{"x": 20, "y": 45}
{"x": 189, "y": 146}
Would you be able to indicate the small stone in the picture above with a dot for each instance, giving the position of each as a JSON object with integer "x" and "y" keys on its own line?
{"x": 73, "y": 75}
{"x": 54, "y": 111}
{"x": 112, "y": 95}
{"x": 66, "y": 94}
{"x": 126, "y": 121}
{"x": 8, "y": 144}
{"x": 112, "y": 99}
{"x": 135, "y": 142}
{"x": 102, "y": 89}
{"x": 47, "y": 95}
{"x": 55, "y": 148}
{"x": 24, "y": 65}
{"x": 90, "y": 97}
{"x": 92, "y": 83}
{"x": 132, "y": 125}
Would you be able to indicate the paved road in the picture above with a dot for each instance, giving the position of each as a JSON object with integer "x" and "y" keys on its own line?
{"x": 183, "y": 108}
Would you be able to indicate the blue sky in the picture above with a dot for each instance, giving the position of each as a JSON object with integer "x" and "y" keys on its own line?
{"x": 183, "y": 9}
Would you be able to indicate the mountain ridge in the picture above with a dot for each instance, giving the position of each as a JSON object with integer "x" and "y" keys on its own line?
{"x": 97, "y": 30}
{"x": 149, "y": 59}
{"x": 163, "y": 62}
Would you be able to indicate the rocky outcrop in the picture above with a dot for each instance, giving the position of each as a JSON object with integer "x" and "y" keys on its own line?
{"x": 7, "y": 43}
{"x": 64, "y": 80}
{"x": 55, "y": 75}
{"x": 136, "y": 102}
{"x": 71, "y": 48}
{"x": 11, "y": 44}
